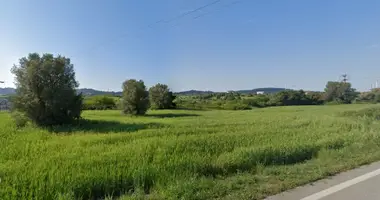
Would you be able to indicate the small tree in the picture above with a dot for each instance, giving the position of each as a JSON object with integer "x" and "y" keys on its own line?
{"x": 161, "y": 97}
{"x": 46, "y": 89}
{"x": 135, "y": 100}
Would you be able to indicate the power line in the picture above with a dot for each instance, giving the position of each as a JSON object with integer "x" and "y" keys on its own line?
{"x": 225, "y": 6}
{"x": 180, "y": 16}
{"x": 192, "y": 11}
{"x": 216, "y": 10}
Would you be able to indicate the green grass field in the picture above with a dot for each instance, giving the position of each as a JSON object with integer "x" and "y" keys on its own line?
{"x": 186, "y": 154}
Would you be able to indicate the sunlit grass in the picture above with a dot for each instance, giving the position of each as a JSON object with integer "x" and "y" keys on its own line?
{"x": 185, "y": 154}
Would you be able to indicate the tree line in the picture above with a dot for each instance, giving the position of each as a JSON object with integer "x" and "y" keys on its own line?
{"x": 46, "y": 94}
{"x": 335, "y": 93}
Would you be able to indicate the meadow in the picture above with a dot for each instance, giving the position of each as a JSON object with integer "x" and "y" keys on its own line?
{"x": 178, "y": 154}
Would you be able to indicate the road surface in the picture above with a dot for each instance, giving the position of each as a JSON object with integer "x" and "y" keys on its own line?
{"x": 362, "y": 183}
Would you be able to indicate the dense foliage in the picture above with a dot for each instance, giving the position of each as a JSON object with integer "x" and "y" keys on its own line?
{"x": 135, "y": 100}
{"x": 316, "y": 98}
{"x": 45, "y": 87}
{"x": 340, "y": 92}
{"x": 237, "y": 101}
{"x": 259, "y": 101}
{"x": 372, "y": 96}
{"x": 292, "y": 97}
{"x": 161, "y": 97}
{"x": 100, "y": 102}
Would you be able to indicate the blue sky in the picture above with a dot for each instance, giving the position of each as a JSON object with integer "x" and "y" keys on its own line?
{"x": 226, "y": 46}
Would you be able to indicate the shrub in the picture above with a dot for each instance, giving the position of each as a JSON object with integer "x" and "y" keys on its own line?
{"x": 259, "y": 101}
{"x": 101, "y": 102}
{"x": 236, "y": 106}
{"x": 20, "y": 119}
{"x": 316, "y": 98}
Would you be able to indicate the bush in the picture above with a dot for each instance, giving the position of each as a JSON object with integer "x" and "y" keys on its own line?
{"x": 316, "y": 98}
{"x": 20, "y": 119}
{"x": 101, "y": 102}
{"x": 259, "y": 101}
{"x": 377, "y": 98}
{"x": 372, "y": 96}
{"x": 46, "y": 90}
{"x": 236, "y": 106}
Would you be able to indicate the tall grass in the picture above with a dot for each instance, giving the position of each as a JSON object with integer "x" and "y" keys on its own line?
{"x": 184, "y": 154}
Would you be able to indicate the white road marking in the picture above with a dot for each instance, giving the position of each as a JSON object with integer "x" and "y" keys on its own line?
{"x": 342, "y": 186}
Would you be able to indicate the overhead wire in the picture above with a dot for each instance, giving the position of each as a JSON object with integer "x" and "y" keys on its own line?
{"x": 193, "y": 11}
{"x": 180, "y": 16}
{"x": 225, "y": 6}
{"x": 213, "y": 11}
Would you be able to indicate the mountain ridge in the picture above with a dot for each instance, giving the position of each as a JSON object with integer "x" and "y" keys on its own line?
{"x": 252, "y": 91}
{"x": 92, "y": 92}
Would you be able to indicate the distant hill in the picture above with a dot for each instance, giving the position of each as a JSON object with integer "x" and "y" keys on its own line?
{"x": 92, "y": 92}
{"x": 193, "y": 92}
{"x": 7, "y": 91}
{"x": 267, "y": 90}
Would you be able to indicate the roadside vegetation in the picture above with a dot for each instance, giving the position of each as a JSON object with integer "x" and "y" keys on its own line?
{"x": 186, "y": 154}
{"x": 153, "y": 144}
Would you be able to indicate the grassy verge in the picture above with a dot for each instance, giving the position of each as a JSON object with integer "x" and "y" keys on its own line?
{"x": 186, "y": 154}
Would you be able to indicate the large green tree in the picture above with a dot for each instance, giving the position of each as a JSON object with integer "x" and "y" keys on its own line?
{"x": 46, "y": 89}
{"x": 161, "y": 97}
{"x": 135, "y": 100}
{"x": 341, "y": 92}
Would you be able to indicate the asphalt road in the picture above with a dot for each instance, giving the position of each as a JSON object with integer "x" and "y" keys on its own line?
{"x": 362, "y": 183}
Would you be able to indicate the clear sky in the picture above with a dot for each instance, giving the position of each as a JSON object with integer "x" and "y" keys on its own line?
{"x": 226, "y": 46}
